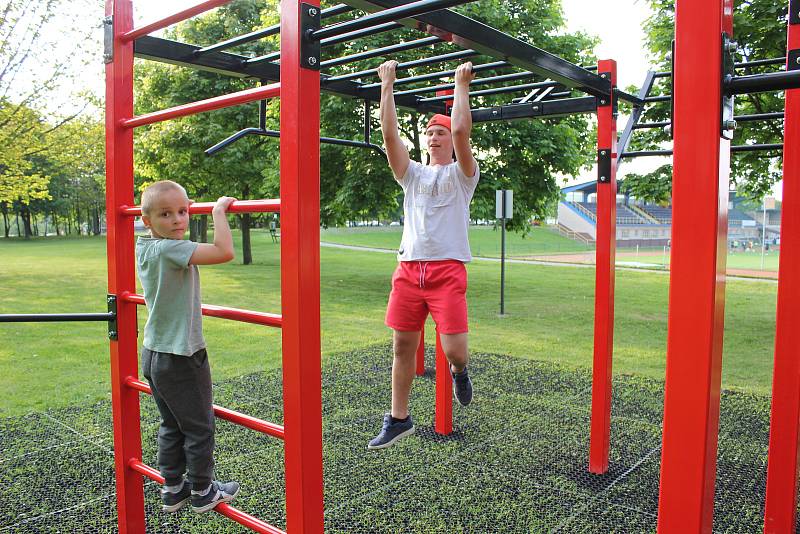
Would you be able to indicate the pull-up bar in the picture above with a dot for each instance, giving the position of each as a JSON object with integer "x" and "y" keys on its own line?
{"x": 232, "y": 99}
{"x": 172, "y": 19}
{"x": 266, "y": 32}
{"x": 383, "y": 51}
{"x": 276, "y": 134}
{"x": 461, "y": 54}
{"x": 205, "y": 208}
{"x": 396, "y": 13}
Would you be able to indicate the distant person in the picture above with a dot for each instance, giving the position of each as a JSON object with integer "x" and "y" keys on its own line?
{"x": 431, "y": 277}
{"x": 174, "y": 358}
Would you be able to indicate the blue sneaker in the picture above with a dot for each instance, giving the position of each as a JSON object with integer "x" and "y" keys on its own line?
{"x": 462, "y": 387}
{"x": 216, "y": 493}
{"x": 174, "y": 501}
{"x": 392, "y": 432}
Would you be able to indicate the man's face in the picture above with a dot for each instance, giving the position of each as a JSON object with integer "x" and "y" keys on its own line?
{"x": 169, "y": 215}
{"x": 439, "y": 142}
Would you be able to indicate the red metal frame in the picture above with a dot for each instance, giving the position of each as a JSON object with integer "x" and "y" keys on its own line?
{"x": 242, "y": 97}
{"x": 240, "y": 206}
{"x": 172, "y": 19}
{"x": 225, "y": 509}
{"x": 300, "y": 283}
{"x": 444, "y": 391}
{"x": 780, "y": 513}
{"x": 600, "y": 427}
{"x": 224, "y": 312}
{"x": 247, "y": 421}
{"x": 121, "y": 276}
{"x": 302, "y": 433}
{"x": 701, "y": 168}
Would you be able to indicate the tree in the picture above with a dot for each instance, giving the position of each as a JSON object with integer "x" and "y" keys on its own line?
{"x": 760, "y": 29}
{"x": 526, "y": 156}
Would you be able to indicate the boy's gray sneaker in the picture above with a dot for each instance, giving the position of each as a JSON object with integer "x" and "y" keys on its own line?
{"x": 392, "y": 432}
{"x": 172, "y": 502}
{"x": 217, "y": 493}
{"x": 462, "y": 387}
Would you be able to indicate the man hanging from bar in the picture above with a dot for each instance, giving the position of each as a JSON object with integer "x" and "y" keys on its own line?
{"x": 430, "y": 277}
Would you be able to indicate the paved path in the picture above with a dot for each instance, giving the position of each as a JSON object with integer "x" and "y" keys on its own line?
{"x": 582, "y": 260}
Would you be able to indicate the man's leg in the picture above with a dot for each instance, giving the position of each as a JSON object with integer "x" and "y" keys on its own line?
{"x": 403, "y": 370}
{"x": 455, "y": 350}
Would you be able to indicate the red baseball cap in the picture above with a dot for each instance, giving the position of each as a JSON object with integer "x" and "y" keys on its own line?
{"x": 439, "y": 120}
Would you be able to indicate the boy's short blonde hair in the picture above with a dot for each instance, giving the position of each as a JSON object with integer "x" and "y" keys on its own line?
{"x": 153, "y": 190}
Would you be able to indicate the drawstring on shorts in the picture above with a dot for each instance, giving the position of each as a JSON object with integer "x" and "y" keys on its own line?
{"x": 423, "y": 266}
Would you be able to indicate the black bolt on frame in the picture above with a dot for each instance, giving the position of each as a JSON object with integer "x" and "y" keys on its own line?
{"x": 310, "y": 49}
{"x": 112, "y": 321}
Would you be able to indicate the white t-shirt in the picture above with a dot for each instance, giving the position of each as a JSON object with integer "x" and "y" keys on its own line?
{"x": 436, "y": 211}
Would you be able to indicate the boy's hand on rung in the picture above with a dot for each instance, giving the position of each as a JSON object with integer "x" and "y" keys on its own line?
{"x": 223, "y": 203}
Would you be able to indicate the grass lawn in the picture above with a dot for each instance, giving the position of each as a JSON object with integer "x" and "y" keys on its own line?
{"x": 483, "y": 240}
{"x": 550, "y": 318}
{"x": 736, "y": 260}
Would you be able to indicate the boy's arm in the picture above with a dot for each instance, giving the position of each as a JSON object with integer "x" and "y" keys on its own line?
{"x": 222, "y": 249}
{"x": 462, "y": 120}
{"x": 396, "y": 151}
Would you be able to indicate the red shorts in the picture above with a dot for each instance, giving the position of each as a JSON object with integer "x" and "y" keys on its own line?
{"x": 422, "y": 287}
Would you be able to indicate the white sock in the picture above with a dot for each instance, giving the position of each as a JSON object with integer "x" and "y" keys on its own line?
{"x": 202, "y": 493}
{"x": 174, "y": 489}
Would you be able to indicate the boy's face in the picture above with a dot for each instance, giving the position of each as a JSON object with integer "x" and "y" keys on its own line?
{"x": 169, "y": 215}
{"x": 439, "y": 142}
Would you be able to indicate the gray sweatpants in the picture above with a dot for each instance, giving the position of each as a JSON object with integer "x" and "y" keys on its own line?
{"x": 181, "y": 387}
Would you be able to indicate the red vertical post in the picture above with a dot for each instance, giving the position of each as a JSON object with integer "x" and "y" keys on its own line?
{"x": 784, "y": 436}
{"x": 121, "y": 277}
{"x": 444, "y": 391}
{"x": 421, "y": 353}
{"x": 300, "y": 284}
{"x": 701, "y": 168}
{"x": 604, "y": 273}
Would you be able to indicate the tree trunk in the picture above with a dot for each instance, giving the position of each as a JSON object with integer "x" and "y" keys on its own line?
{"x": 4, "y": 209}
{"x": 26, "y": 221}
{"x": 19, "y": 231}
{"x": 204, "y": 228}
{"x": 193, "y": 229}
{"x": 247, "y": 252}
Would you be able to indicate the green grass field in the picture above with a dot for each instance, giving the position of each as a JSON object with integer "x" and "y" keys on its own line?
{"x": 549, "y": 317}
{"x": 483, "y": 240}
{"x": 736, "y": 260}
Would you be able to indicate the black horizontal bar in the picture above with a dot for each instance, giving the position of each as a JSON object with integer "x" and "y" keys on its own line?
{"x": 386, "y": 50}
{"x": 756, "y": 148}
{"x": 470, "y": 33}
{"x": 352, "y": 36}
{"x": 443, "y": 74}
{"x": 737, "y": 148}
{"x": 392, "y": 14}
{"x": 461, "y": 54}
{"x": 627, "y": 97}
{"x": 479, "y": 81}
{"x": 276, "y": 134}
{"x": 644, "y": 125}
{"x": 663, "y": 98}
{"x": 663, "y": 74}
{"x": 540, "y": 110}
{"x": 266, "y": 32}
{"x": 54, "y": 317}
{"x": 760, "y": 83}
{"x": 761, "y": 62}
{"x": 759, "y": 116}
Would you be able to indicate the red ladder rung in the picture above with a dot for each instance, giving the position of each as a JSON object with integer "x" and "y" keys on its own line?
{"x": 233, "y": 99}
{"x": 224, "y": 312}
{"x": 173, "y": 19}
{"x": 225, "y": 509}
{"x": 204, "y": 208}
{"x": 247, "y": 421}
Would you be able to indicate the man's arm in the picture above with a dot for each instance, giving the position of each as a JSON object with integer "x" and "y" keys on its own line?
{"x": 396, "y": 150}
{"x": 222, "y": 249}
{"x": 462, "y": 120}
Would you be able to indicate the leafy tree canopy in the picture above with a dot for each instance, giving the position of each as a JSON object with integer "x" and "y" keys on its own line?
{"x": 760, "y": 29}
{"x": 526, "y": 156}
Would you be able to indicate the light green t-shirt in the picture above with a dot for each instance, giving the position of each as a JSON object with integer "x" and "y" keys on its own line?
{"x": 172, "y": 294}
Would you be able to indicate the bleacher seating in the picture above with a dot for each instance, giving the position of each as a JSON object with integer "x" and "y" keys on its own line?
{"x": 624, "y": 214}
{"x": 664, "y": 215}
